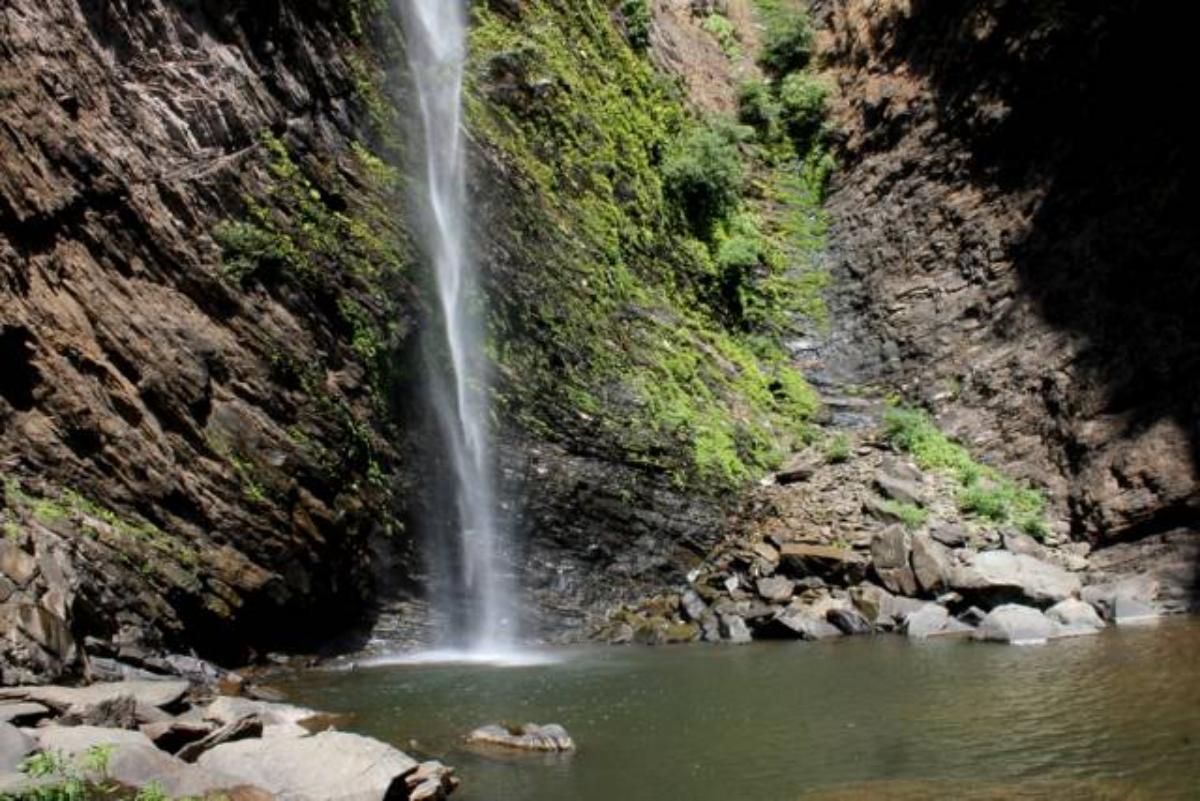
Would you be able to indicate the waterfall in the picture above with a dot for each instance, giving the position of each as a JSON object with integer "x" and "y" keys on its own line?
{"x": 471, "y": 584}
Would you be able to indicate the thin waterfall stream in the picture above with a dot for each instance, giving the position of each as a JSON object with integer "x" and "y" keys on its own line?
{"x": 472, "y": 586}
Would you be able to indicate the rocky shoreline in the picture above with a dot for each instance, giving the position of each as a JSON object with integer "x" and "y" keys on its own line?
{"x": 157, "y": 739}
{"x": 829, "y": 547}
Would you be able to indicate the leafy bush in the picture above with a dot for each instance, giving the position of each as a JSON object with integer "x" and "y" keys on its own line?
{"x": 912, "y": 516}
{"x": 837, "y": 448}
{"x": 636, "y": 16}
{"x": 986, "y": 492}
{"x": 702, "y": 175}
{"x": 758, "y": 108}
{"x": 721, "y": 29}
{"x": 803, "y": 99}
{"x": 787, "y": 45}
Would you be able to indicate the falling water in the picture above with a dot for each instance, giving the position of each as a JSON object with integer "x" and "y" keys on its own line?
{"x": 474, "y": 590}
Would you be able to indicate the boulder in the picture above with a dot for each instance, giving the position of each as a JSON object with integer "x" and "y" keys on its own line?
{"x": 801, "y": 559}
{"x": 119, "y": 712}
{"x": 1016, "y": 625}
{"x": 693, "y": 605}
{"x": 228, "y": 709}
{"x": 951, "y": 535}
{"x": 241, "y": 729}
{"x": 800, "y": 622}
{"x": 144, "y": 693}
{"x": 15, "y": 745}
{"x": 141, "y": 765}
{"x": 529, "y": 737}
{"x": 431, "y": 781}
{"x": 173, "y": 734}
{"x": 900, "y": 489}
{"x": 881, "y": 607}
{"x": 1129, "y": 611}
{"x": 14, "y": 784}
{"x": 927, "y": 621}
{"x": 932, "y": 563}
{"x": 1075, "y": 616}
{"x": 997, "y": 577}
{"x": 848, "y": 620}
{"x": 15, "y": 563}
{"x": 72, "y": 741}
{"x": 890, "y": 554}
{"x": 23, "y": 712}
{"x": 734, "y": 629}
{"x": 1140, "y": 589}
{"x": 330, "y": 766}
{"x": 776, "y": 589}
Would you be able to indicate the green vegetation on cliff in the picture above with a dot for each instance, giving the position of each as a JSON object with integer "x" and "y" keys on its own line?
{"x": 641, "y": 311}
{"x": 985, "y": 492}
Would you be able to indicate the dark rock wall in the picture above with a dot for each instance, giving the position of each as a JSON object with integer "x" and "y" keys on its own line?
{"x": 210, "y": 456}
{"x": 1014, "y": 242}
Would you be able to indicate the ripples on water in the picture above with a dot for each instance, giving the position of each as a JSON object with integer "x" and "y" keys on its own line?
{"x": 1115, "y": 716}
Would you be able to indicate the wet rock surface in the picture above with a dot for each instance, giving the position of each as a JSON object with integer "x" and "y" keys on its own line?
{"x": 527, "y": 737}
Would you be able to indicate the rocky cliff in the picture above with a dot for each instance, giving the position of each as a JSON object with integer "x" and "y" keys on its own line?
{"x": 1012, "y": 242}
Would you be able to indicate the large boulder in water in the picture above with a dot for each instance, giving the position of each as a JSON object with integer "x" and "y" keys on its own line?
{"x": 530, "y": 737}
{"x": 998, "y": 577}
{"x": 1016, "y": 625}
{"x": 330, "y": 766}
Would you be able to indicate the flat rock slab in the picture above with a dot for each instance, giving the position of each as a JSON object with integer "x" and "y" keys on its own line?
{"x": 72, "y": 741}
{"x": 927, "y": 621}
{"x": 331, "y": 766}
{"x": 15, "y": 745}
{"x": 227, "y": 709}
{"x": 530, "y": 737}
{"x": 144, "y": 693}
{"x": 23, "y": 712}
{"x": 1011, "y": 577}
{"x": 1016, "y": 625}
{"x": 1076, "y": 615}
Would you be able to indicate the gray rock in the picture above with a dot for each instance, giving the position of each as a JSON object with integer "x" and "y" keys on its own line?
{"x": 1075, "y": 616}
{"x": 1140, "y": 589}
{"x": 803, "y": 623}
{"x": 1016, "y": 625}
{"x": 172, "y": 734}
{"x": 803, "y": 560}
{"x": 119, "y": 712}
{"x": 23, "y": 712}
{"x": 73, "y": 741}
{"x": 530, "y": 737}
{"x": 141, "y": 765}
{"x": 15, "y": 745}
{"x": 932, "y": 563}
{"x": 848, "y": 621}
{"x": 776, "y": 589}
{"x": 19, "y": 785}
{"x": 242, "y": 729}
{"x": 431, "y": 781}
{"x": 228, "y": 709}
{"x": 1021, "y": 543}
{"x": 925, "y": 622}
{"x": 734, "y": 629}
{"x": 16, "y": 563}
{"x": 890, "y": 553}
{"x": 951, "y": 535}
{"x": 1128, "y": 611}
{"x": 900, "y": 489}
{"x": 693, "y": 605}
{"x": 330, "y": 766}
{"x": 144, "y": 693}
{"x": 1000, "y": 576}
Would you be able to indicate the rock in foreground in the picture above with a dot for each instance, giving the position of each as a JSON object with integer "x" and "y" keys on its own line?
{"x": 530, "y": 737}
{"x": 330, "y": 766}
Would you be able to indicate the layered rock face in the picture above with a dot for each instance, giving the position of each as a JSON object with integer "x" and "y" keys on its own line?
{"x": 187, "y": 455}
{"x": 1013, "y": 245}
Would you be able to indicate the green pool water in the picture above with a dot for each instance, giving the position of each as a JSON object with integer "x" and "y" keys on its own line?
{"x": 1114, "y": 716}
